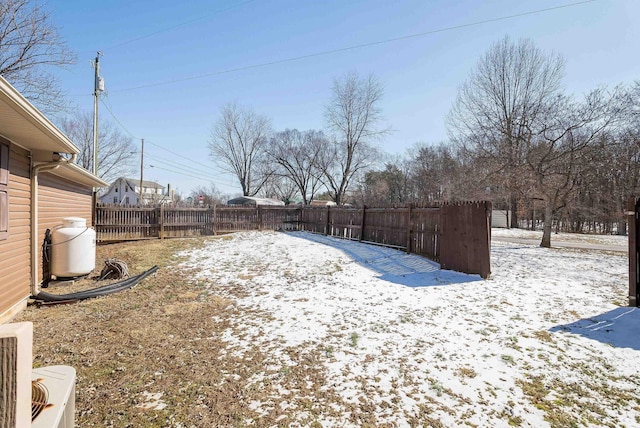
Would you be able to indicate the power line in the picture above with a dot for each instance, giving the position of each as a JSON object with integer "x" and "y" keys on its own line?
{"x": 151, "y": 142}
{"x": 117, "y": 120}
{"x": 354, "y": 47}
{"x": 173, "y": 27}
{"x": 165, "y": 160}
{"x": 178, "y": 154}
{"x": 178, "y": 165}
{"x": 180, "y": 173}
{"x": 181, "y": 166}
{"x": 188, "y": 168}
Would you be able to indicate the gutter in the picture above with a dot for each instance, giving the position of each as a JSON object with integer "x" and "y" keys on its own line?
{"x": 35, "y": 170}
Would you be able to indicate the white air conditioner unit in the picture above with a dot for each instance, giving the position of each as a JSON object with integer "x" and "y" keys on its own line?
{"x": 60, "y": 381}
{"x": 53, "y": 387}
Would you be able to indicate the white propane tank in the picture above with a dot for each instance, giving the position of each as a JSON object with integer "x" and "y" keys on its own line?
{"x": 73, "y": 248}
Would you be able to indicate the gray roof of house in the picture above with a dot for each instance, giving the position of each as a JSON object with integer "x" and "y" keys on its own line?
{"x": 136, "y": 182}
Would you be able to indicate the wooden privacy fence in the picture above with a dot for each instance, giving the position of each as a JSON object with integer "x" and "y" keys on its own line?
{"x": 457, "y": 235}
{"x": 123, "y": 223}
{"x": 415, "y": 230}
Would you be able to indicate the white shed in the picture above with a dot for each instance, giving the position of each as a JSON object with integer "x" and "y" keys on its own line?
{"x": 251, "y": 201}
{"x": 500, "y": 218}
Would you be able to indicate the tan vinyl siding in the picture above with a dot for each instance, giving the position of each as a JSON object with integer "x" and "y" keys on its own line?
{"x": 59, "y": 198}
{"x": 15, "y": 260}
{"x": 4, "y": 190}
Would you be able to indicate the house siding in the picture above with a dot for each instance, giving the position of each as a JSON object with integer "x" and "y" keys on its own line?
{"x": 59, "y": 198}
{"x": 127, "y": 192}
{"x": 15, "y": 261}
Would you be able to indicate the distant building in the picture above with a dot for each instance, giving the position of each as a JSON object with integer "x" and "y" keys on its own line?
{"x": 322, "y": 203}
{"x": 500, "y": 218}
{"x": 251, "y": 201}
{"x": 126, "y": 191}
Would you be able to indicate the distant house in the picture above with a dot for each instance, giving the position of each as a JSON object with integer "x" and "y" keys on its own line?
{"x": 39, "y": 185}
{"x": 126, "y": 191}
{"x": 251, "y": 201}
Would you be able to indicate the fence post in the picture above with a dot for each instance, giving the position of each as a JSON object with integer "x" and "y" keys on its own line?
{"x": 409, "y": 206}
{"x": 326, "y": 228}
{"x": 300, "y": 223}
{"x": 363, "y": 222}
{"x": 96, "y": 210}
{"x": 634, "y": 250}
{"x": 213, "y": 220}
{"x": 259, "y": 217}
{"x": 161, "y": 219}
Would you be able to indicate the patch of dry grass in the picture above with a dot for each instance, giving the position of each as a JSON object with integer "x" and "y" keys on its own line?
{"x": 163, "y": 337}
{"x": 162, "y": 355}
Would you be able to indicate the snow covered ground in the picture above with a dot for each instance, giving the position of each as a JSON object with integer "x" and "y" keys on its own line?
{"x": 562, "y": 237}
{"x": 546, "y": 341}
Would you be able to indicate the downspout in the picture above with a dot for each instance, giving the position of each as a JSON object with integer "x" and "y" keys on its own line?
{"x": 35, "y": 170}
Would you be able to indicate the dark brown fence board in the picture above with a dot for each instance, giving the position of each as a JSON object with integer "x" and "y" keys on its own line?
{"x": 345, "y": 223}
{"x": 235, "y": 219}
{"x": 466, "y": 237}
{"x": 425, "y": 232}
{"x": 314, "y": 219}
{"x": 280, "y": 218}
{"x": 115, "y": 223}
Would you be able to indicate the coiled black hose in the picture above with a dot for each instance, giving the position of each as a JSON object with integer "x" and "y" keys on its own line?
{"x": 95, "y": 292}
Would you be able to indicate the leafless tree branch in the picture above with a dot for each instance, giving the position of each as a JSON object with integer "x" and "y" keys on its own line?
{"x": 30, "y": 46}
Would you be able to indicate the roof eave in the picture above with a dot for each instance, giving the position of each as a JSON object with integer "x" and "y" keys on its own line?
{"x": 22, "y": 123}
{"x": 79, "y": 175}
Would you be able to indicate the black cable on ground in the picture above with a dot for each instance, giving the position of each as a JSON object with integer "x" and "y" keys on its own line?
{"x": 94, "y": 292}
{"x": 114, "y": 269}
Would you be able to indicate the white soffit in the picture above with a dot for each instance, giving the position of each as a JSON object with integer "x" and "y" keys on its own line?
{"x": 25, "y": 125}
{"x": 77, "y": 174}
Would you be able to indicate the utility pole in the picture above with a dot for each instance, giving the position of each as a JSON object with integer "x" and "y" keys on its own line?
{"x": 141, "y": 171}
{"x": 98, "y": 86}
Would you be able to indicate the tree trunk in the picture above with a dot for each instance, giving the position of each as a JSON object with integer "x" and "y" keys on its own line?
{"x": 513, "y": 206}
{"x": 622, "y": 223}
{"x": 546, "y": 229}
{"x": 533, "y": 215}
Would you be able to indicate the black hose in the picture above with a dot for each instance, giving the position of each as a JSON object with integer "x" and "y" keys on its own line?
{"x": 95, "y": 292}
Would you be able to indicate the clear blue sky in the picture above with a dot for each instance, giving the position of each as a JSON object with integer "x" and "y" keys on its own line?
{"x": 154, "y": 42}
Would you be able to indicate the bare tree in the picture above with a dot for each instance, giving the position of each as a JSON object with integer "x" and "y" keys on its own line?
{"x": 387, "y": 187}
{"x": 238, "y": 142}
{"x": 512, "y": 118}
{"x": 29, "y": 45}
{"x": 434, "y": 174}
{"x": 496, "y": 108}
{"x": 279, "y": 187}
{"x": 297, "y": 155}
{"x": 592, "y": 196}
{"x": 623, "y": 169}
{"x": 354, "y": 115}
{"x": 562, "y": 149}
{"x": 117, "y": 154}
{"x": 210, "y": 196}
